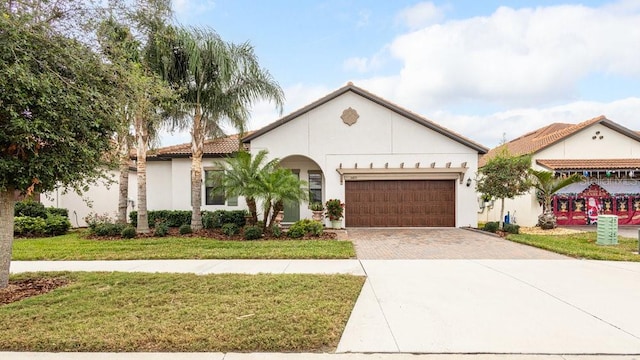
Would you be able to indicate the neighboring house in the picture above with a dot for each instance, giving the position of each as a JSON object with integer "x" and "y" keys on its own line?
{"x": 390, "y": 167}
{"x": 606, "y": 153}
{"x": 100, "y": 198}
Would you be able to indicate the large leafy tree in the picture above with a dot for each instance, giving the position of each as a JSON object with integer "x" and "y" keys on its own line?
{"x": 546, "y": 185}
{"x": 504, "y": 176}
{"x": 218, "y": 83}
{"x": 56, "y": 118}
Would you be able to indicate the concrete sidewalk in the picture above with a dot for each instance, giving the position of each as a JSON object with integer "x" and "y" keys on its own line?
{"x": 523, "y": 309}
{"x": 352, "y": 267}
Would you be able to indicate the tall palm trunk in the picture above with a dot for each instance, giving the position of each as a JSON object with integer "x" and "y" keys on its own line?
{"x": 142, "y": 139}
{"x": 123, "y": 186}
{"x": 7, "y": 203}
{"x": 197, "y": 148}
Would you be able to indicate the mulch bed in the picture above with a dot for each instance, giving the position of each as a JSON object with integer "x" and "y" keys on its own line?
{"x": 22, "y": 289}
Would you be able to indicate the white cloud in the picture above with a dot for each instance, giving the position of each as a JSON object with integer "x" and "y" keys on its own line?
{"x": 364, "y": 64}
{"x": 363, "y": 18}
{"x": 488, "y": 130}
{"x": 420, "y": 15}
{"x": 523, "y": 57}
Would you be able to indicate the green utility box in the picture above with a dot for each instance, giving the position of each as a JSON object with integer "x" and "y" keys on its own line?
{"x": 607, "y": 230}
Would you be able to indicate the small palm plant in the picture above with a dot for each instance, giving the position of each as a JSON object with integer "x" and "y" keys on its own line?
{"x": 547, "y": 185}
{"x": 335, "y": 209}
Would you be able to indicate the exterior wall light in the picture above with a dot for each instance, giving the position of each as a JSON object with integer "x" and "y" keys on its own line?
{"x": 468, "y": 182}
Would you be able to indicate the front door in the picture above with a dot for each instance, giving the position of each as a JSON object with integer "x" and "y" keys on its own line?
{"x": 292, "y": 209}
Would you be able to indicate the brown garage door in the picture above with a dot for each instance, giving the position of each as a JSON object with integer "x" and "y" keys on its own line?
{"x": 379, "y": 203}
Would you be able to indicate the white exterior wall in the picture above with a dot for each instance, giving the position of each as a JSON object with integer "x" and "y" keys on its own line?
{"x": 101, "y": 198}
{"x": 379, "y": 136}
{"x": 613, "y": 145}
{"x": 169, "y": 185}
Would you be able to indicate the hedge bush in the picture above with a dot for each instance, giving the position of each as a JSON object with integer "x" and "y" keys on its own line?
{"x": 252, "y": 232}
{"x": 56, "y": 225}
{"x": 230, "y": 229}
{"x": 511, "y": 228}
{"x": 30, "y": 208}
{"x": 108, "y": 229}
{"x": 29, "y": 226}
{"x": 276, "y": 231}
{"x": 160, "y": 230}
{"x": 58, "y": 211}
{"x": 216, "y": 219}
{"x": 128, "y": 232}
{"x": 172, "y": 218}
{"x": 305, "y": 226}
{"x": 36, "y": 226}
{"x": 491, "y": 226}
{"x": 185, "y": 229}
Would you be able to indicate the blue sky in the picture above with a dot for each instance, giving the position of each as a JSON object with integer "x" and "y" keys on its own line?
{"x": 480, "y": 68}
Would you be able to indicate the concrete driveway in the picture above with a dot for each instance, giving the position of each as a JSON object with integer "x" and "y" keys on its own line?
{"x": 497, "y": 307}
{"x": 438, "y": 243}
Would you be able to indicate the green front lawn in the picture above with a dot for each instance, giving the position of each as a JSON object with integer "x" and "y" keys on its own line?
{"x": 582, "y": 245}
{"x": 74, "y": 246}
{"x": 122, "y": 312}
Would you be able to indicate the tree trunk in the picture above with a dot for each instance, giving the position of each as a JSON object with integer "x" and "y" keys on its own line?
{"x": 253, "y": 210}
{"x": 197, "y": 149}
{"x": 277, "y": 207}
{"x": 7, "y": 203}
{"x": 141, "y": 167}
{"x": 123, "y": 186}
{"x": 502, "y": 214}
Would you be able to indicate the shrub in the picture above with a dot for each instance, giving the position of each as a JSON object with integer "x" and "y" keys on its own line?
{"x": 306, "y": 226}
{"x": 160, "y": 230}
{"x": 58, "y": 211}
{"x": 218, "y": 218}
{"x": 295, "y": 231}
{"x": 512, "y": 228}
{"x": 93, "y": 220}
{"x": 108, "y": 229}
{"x": 207, "y": 219}
{"x": 276, "y": 231}
{"x": 128, "y": 232}
{"x": 56, "y": 225}
{"x": 29, "y": 226}
{"x": 230, "y": 229}
{"x": 30, "y": 208}
{"x": 252, "y": 232}
{"x": 173, "y": 218}
{"x": 185, "y": 229}
{"x": 491, "y": 226}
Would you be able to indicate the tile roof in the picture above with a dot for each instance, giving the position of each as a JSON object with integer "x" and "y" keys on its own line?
{"x": 590, "y": 164}
{"x": 212, "y": 147}
{"x": 544, "y": 137}
{"x": 378, "y": 100}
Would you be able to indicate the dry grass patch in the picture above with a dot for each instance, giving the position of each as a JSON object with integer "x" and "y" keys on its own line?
{"x": 115, "y": 312}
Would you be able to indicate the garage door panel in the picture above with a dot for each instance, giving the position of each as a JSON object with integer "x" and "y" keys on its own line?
{"x": 393, "y": 203}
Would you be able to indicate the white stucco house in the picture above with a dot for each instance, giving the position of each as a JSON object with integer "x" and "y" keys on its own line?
{"x": 606, "y": 153}
{"x": 391, "y": 167}
{"x": 100, "y": 198}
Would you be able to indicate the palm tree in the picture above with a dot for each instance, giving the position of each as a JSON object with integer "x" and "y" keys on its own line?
{"x": 218, "y": 82}
{"x": 278, "y": 186}
{"x": 144, "y": 93}
{"x": 244, "y": 177}
{"x": 547, "y": 185}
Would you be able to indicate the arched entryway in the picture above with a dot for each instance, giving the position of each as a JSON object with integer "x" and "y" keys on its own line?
{"x": 308, "y": 170}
